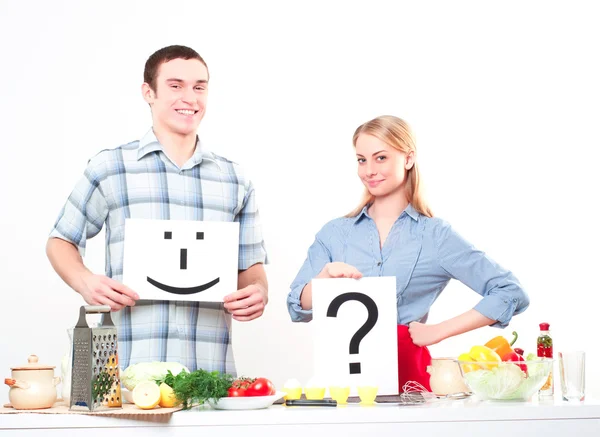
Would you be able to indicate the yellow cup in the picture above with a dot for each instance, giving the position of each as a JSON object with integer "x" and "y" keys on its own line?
{"x": 292, "y": 393}
{"x": 314, "y": 393}
{"x": 339, "y": 394}
{"x": 367, "y": 394}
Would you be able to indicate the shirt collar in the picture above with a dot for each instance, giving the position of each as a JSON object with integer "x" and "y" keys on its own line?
{"x": 149, "y": 143}
{"x": 409, "y": 211}
{"x": 363, "y": 213}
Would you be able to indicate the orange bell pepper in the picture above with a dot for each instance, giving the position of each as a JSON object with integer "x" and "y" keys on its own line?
{"x": 501, "y": 345}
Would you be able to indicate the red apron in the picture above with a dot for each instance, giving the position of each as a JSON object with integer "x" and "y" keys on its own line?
{"x": 412, "y": 360}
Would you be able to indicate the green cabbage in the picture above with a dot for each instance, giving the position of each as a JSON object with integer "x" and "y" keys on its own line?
{"x": 152, "y": 371}
{"x": 537, "y": 374}
{"x": 501, "y": 382}
{"x": 538, "y": 369}
{"x": 531, "y": 384}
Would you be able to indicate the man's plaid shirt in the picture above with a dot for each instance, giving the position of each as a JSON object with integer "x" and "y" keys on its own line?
{"x": 138, "y": 180}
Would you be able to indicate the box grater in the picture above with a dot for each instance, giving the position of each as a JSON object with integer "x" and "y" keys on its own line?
{"x": 95, "y": 379}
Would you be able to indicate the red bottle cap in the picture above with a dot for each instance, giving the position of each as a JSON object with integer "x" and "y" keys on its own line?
{"x": 544, "y": 326}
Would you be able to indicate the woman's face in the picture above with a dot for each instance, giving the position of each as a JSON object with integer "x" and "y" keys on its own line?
{"x": 381, "y": 168}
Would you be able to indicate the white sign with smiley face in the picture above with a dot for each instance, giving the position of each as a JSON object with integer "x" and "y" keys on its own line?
{"x": 181, "y": 259}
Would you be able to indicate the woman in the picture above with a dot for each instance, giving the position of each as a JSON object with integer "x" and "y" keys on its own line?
{"x": 393, "y": 233}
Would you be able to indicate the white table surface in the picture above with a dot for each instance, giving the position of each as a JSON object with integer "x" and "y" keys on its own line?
{"x": 451, "y": 417}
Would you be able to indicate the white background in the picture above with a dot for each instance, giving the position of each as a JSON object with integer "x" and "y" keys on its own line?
{"x": 503, "y": 97}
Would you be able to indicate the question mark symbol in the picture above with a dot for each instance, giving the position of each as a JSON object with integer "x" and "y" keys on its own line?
{"x": 371, "y": 306}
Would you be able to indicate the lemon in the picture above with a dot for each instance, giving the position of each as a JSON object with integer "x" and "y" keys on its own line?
{"x": 146, "y": 395}
{"x": 167, "y": 397}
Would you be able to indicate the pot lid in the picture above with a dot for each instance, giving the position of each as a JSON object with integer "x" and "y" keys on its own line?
{"x": 32, "y": 364}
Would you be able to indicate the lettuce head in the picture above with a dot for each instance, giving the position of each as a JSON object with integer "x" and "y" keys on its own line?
{"x": 151, "y": 371}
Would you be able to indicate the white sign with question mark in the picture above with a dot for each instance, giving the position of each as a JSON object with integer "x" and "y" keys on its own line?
{"x": 355, "y": 332}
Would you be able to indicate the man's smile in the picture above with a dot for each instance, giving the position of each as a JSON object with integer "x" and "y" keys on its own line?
{"x": 186, "y": 111}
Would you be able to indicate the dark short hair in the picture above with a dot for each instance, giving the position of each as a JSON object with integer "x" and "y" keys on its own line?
{"x": 167, "y": 54}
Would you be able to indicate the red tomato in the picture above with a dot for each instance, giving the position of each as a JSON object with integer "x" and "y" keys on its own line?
{"x": 236, "y": 392}
{"x": 242, "y": 383}
{"x": 513, "y": 356}
{"x": 260, "y": 387}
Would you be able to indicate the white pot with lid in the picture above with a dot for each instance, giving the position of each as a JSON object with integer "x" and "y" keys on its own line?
{"x": 32, "y": 386}
{"x": 446, "y": 377}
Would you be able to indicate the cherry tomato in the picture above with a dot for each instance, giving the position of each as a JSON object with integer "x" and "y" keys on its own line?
{"x": 260, "y": 387}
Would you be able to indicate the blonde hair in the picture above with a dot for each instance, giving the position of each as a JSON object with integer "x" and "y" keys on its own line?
{"x": 396, "y": 133}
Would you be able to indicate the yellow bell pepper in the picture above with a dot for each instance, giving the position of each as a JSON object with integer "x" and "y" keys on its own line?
{"x": 466, "y": 363}
{"x": 483, "y": 354}
{"x": 501, "y": 345}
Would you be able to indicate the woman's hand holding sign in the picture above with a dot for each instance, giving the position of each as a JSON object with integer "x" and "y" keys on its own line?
{"x": 331, "y": 270}
{"x": 339, "y": 270}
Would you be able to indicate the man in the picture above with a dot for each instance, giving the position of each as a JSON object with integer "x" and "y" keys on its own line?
{"x": 165, "y": 175}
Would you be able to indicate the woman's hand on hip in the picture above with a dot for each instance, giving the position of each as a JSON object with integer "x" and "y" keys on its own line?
{"x": 425, "y": 335}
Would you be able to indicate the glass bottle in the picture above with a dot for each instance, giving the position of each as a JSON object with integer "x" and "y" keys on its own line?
{"x": 545, "y": 351}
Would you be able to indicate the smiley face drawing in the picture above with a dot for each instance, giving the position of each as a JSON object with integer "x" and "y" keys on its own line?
{"x": 181, "y": 260}
{"x": 183, "y": 266}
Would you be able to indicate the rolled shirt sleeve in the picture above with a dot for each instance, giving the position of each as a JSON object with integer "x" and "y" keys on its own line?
{"x": 318, "y": 256}
{"x": 503, "y": 296}
{"x": 84, "y": 213}
{"x": 252, "y": 246}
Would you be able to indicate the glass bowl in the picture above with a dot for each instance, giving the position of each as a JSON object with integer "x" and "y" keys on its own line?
{"x": 505, "y": 380}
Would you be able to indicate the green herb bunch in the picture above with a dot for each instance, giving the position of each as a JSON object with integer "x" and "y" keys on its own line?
{"x": 198, "y": 386}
